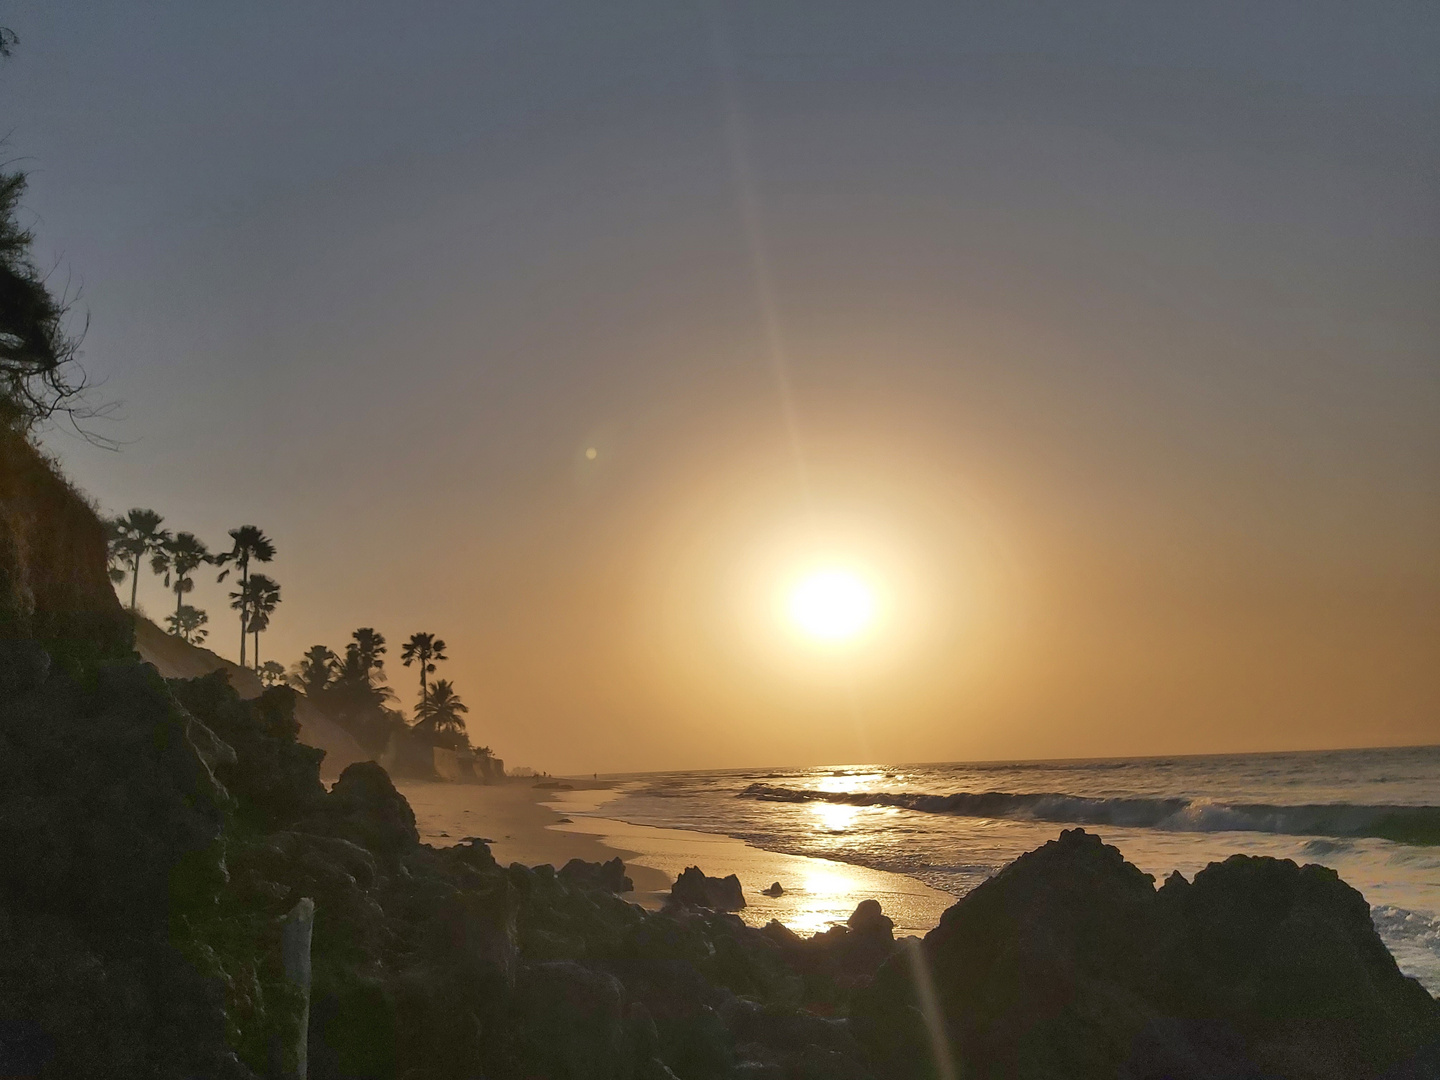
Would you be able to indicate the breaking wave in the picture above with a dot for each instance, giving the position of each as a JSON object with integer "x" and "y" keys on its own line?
{"x": 1402, "y": 824}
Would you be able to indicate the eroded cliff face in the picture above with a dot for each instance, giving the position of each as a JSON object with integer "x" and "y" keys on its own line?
{"x": 54, "y": 587}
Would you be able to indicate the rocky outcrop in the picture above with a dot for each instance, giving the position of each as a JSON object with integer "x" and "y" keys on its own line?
{"x": 694, "y": 889}
{"x": 113, "y": 833}
{"x": 1070, "y": 963}
{"x": 177, "y": 659}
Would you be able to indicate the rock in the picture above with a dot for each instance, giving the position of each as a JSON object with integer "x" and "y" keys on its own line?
{"x": 773, "y": 890}
{"x": 364, "y": 807}
{"x": 1288, "y": 956}
{"x": 1069, "y": 962}
{"x": 609, "y": 876}
{"x": 694, "y": 889}
{"x": 574, "y": 1023}
{"x": 869, "y": 921}
{"x": 782, "y": 935}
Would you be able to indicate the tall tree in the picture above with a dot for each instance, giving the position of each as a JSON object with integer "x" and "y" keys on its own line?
{"x": 315, "y": 671}
{"x": 358, "y": 695}
{"x": 188, "y": 624}
{"x": 424, "y": 650}
{"x": 440, "y": 718}
{"x": 370, "y": 647}
{"x": 249, "y": 543}
{"x": 256, "y": 600}
{"x": 134, "y": 536}
{"x": 178, "y": 558}
{"x": 38, "y": 373}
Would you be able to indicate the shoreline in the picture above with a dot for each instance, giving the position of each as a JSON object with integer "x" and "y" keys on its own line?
{"x": 519, "y": 828}
{"x": 533, "y": 826}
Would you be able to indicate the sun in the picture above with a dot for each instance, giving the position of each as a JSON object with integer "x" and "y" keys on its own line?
{"x": 832, "y": 605}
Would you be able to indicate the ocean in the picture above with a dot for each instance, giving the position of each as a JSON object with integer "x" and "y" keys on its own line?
{"x": 1372, "y": 815}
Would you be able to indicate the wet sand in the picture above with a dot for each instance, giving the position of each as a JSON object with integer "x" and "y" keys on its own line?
{"x": 529, "y": 825}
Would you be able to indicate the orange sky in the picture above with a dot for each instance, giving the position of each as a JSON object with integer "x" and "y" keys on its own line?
{"x": 1111, "y": 351}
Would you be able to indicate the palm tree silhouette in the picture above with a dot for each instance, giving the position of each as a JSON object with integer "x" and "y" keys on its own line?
{"x": 272, "y": 673}
{"x": 315, "y": 671}
{"x": 439, "y": 716}
{"x": 188, "y": 624}
{"x": 177, "y": 559}
{"x": 425, "y": 650}
{"x": 256, "y": 601}
{"x": 266, "y": 599}
{"x": 370, "y": 647}
{"x": 358, "y": 695}
{"x": 250, "y": 543}
{"x": 132, "y": 537}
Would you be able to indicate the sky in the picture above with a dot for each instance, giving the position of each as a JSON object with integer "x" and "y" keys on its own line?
{"x": 1100, "y": 339}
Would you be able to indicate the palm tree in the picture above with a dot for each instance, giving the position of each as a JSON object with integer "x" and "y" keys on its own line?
{"x": 188, "y": 624}
{"x": 178, "y": 558}
{"x": 132, "y": 537}
{"x": 250, "y": 543}
{"x": 370, "y": 646}
{"x": 425, "y": 650}
{"x": 357, "y": 697}
{"x": 272, "y": 673}
{"x": 439, "y": 715}
{"x": 315, "y": 671}
{"x": 256, "y": 601}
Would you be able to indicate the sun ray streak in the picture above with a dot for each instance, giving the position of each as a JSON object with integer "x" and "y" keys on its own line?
{"x": 930, "y": 1010}
{"x": 752, "y": 227}
{"x": 747, "y": 198}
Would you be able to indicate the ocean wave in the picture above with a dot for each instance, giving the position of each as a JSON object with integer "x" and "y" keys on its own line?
{"x": 1403, "y": 824}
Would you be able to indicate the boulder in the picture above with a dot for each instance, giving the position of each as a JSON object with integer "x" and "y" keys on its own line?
{"x": 1070, "y": 963}
{"x": 694, "y": 889}
{"x": 609, "y": 876}
{"x": 868, "y": 921}
{"x": 364, "y": 807}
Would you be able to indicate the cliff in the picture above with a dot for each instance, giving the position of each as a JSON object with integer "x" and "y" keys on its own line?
{"x": 54, "y": 585}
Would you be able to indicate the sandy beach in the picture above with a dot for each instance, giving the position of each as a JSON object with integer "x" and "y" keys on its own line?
{"x": 515, "y": 820}
{"x": 535, "y": 825}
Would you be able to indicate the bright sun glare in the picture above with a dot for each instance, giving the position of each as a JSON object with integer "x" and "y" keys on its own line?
{"x": 832, "y": 605}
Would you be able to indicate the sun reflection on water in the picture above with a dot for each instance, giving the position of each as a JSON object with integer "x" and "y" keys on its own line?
{"x": 834, "y": 817}
{"x": 850, "y": 781}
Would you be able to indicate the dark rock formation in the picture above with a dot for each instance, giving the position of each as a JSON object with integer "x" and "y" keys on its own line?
{"x": 112, "y": 829}
{"x": 54, "y": 584}
{"x": 364, "y": 807}
{"x": 694, "y": 889}
{"x": 609, "y": 876}
{"x": 775, "y": 889}
{"x": 1070, "y": 963}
